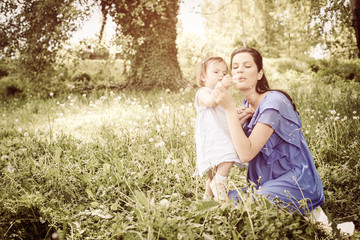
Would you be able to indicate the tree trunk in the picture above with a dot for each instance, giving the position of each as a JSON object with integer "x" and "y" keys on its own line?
{"x": 355, "y": 7}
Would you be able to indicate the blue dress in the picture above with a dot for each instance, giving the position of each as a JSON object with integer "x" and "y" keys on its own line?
{"x": 284, "y": 165}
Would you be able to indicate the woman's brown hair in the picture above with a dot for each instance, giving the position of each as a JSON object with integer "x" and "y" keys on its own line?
{"x": 262, "y": 85}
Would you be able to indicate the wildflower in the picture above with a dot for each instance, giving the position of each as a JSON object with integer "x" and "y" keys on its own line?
{"x": 344, "y": 119}
{"x": 16, "y": 120}
{"x": 3, "y": 158}
{"x": 19, "y": 129}
{"x": 355, "y": 117}
{"x": 173, "y": 162}
{"x": 336, "y": 118}
{"x": 317, "y": 130}
{"x": 167, "y": 160}
{"x": 190, "y": 104}
{"x": 51, "y": 94}
{"x": 164, "y": 203}
{"x": 4, "y": 115}
{"x": 151, "y": 139}
{"x": 84, "y": 95}
{"x": 354, "y": 112}
{"x": 333, "y": 112}
{"x": 69, "y": 97}
{"x": 160, "y": 144}
{"x": 307, "y": 132}
{"x": 167, "y": 90}
{"x": 26, "y": 134}
{"x": 10, "y": 168}
{"x": 183, "y": 133}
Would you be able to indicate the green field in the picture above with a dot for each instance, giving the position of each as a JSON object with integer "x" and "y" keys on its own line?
{"x": 118, "y": 165}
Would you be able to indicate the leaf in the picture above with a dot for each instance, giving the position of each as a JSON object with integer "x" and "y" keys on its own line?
{"x": 141, "y": 198}
{"x": 206, "y": 205}
{"x": 57, "y": 154}
{"x": 94, "y": 204}
{"x": 90, "y": 194}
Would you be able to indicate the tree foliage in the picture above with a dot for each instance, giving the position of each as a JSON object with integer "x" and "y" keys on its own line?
{"x": 280, "y": 27}
{"x": 33, "y": 31}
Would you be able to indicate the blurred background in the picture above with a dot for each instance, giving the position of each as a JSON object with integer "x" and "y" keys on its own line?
{"x": 77, "y": 45}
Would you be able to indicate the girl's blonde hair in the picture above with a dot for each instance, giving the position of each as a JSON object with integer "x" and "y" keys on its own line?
{"x": 203, "y": 66}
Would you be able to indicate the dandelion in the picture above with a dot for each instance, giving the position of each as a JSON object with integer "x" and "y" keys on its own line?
{"x": 355, "y": 117}
{"x": 167, "y": 160}
{"x": 26, "y": 134}
{"x": 190, "y": 104}
{"x": 4, "y": 115}
{"x": 84, "y": 95}
{"x": 183, "y": 133}
{"x": 333, "y": 112}
{"x": 10, "y": 168}
{"x": 307, "y": 132}
{"x": 336, "y": 118}
{"x": 164, "y": 203}
{"x": 51, "y": 94}
{"x": 151, "y": 140}
{"x": 344, "y": 119}
{"x": 69, "y": 97}
{"x": 19, "y": 129}
{"x": 317, "y": 130}
{"x": 4, "y": 157}
{"x": 173, "y": 162}
{"x": 354, "y": 112}
{"x": 160, "y": 144}
{"x": 167, "y": 90}
{"x": 16, "y": 120}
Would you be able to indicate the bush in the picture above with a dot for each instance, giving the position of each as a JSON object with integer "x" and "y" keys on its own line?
{"x": 3, "y": 71}
{"x": 331, "y": 71}
{"x": 10, "y": 87}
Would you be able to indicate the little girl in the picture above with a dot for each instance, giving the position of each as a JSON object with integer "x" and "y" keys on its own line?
{"x": 214, "y": 148}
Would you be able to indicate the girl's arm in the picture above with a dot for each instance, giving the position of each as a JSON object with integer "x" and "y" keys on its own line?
{"x": 246, "y": 147}
{"x": 206, "y": 99}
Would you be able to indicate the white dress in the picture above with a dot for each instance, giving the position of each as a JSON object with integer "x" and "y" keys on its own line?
{"x": 212, "y": 138}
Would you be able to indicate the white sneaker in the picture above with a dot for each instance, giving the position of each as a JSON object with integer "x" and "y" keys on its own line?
{"x": 219, "y": 189}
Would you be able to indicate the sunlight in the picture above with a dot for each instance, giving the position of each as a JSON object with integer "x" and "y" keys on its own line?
{"x": 189, "y": 15}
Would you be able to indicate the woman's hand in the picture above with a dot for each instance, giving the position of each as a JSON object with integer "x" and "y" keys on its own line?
{"x": 222, "y": 96}
{"x": 244, "y": 114}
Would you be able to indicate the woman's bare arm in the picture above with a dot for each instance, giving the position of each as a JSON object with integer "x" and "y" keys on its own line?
{"x": 246, "y": 147}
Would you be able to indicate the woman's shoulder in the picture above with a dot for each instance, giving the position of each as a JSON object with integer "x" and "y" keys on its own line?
{"x": 275, "y": 99}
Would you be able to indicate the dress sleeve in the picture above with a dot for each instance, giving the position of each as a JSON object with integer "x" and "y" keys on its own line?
{"x": 278, "y": 113}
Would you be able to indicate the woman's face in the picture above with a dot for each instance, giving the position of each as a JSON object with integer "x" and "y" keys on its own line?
{"x": 245, "y": 72}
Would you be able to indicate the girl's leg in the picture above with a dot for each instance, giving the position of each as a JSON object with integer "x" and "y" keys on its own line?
{"x": 218, "y": 184}
{"x": 208, "y": 192}
{"x": 224, "y": 168}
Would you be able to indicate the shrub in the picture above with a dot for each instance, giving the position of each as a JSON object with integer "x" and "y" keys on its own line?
{"x": 331, "y": 71}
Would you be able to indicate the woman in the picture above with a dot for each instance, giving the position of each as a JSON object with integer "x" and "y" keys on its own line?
{"x": 269, "y": 136}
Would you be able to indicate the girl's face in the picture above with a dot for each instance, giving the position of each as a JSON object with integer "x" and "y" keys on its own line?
{"x": 245, "y": 72}
{"x": 215, "y": 71}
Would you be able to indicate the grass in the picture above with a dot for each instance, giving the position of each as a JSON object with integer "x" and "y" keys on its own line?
{"x": 119, "y": 165}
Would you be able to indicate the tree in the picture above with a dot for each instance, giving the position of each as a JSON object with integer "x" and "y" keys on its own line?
{"x": 147, "y": 32}
{"x": 355, "y": 8}
{"x": 33, "y": 32}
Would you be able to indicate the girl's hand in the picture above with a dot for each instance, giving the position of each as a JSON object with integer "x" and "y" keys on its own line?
{"x": 222, "y": 96}
{"x": 244, "y": 114}
{"x": 227, "y": 81}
